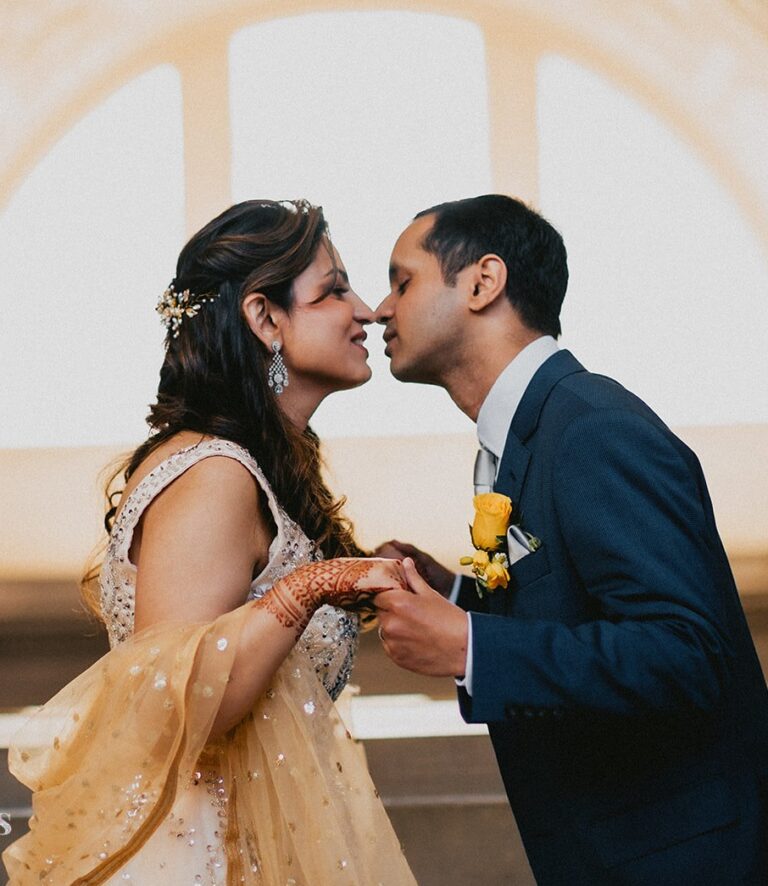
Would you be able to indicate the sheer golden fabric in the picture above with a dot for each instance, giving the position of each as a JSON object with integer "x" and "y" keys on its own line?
{"x": 112, "y": 753}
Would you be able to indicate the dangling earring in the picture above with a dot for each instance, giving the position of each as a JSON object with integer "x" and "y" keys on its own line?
{"x": 277, "y": 377}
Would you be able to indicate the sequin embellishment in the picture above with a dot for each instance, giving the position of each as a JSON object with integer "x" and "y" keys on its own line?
{"x": 328, "y": 645}
{"x": 331, "y": 638}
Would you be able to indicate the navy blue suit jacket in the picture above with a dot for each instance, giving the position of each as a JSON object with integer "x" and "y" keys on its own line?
{"x": 624, "y": 698}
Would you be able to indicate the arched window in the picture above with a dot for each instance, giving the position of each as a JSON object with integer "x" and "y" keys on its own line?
{"x": 88, "y": 239}
{"x": 375, "y": 115}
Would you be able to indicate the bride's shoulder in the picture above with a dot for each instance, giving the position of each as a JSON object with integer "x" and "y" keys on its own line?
{"x": 201, "y": 535}
{"x": 217, "y": 491}
{"x": 198, "y": 496}
{"x": 190, "y": 466}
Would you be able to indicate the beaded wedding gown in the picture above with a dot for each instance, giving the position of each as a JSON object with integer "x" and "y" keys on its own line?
{"x": 127, "y": 790}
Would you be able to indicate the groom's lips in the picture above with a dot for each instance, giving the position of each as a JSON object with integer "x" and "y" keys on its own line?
{"x": 388, "y": 336}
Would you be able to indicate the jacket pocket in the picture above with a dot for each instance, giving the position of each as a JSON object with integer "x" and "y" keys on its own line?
{"x": 649, "y": 828}
{"x": 528, "y": 569}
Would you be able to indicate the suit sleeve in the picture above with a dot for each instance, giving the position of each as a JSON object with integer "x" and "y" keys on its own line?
{"x": 636, "y": 533}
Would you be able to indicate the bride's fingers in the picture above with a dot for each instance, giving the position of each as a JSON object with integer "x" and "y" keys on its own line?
{"x": 395, "y": 579}
{"x": 389, "y": 572}
{"x": 363, "y": 600}
{"x": 364, "y": 603}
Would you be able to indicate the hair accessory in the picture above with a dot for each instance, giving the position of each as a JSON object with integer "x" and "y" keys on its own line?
{"x": 277, "y": 376}
{"x": 174, "y": 306}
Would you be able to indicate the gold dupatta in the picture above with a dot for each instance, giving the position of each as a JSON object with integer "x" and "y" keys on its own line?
{"x": 108, "y": 756}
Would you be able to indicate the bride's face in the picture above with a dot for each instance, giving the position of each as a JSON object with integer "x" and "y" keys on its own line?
{"x": 323, "y": 333}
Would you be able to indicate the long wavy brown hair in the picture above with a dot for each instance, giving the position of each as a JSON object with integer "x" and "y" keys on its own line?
{"x": 214, "y": 376}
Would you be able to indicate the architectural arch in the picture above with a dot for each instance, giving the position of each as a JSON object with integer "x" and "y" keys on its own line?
{"x": 700, "y": 68}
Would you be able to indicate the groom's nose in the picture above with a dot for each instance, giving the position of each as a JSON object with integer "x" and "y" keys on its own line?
{"x": 385, "y": 310}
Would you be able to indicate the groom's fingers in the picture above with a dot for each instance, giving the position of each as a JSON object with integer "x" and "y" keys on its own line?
{"x": 389, "y": 601}
{"x": 402, "y": 547}
{"x": 407, "y": 550}
{"x": 415, "y": 582}
{"x": 390, "y": 550}
{"x": 421, "y": 631}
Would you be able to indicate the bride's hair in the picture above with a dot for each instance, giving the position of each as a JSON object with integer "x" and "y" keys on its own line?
{"x": 214, "y": 376}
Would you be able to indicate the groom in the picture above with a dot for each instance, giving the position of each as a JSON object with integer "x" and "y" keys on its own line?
{"x": 615, "y": 671}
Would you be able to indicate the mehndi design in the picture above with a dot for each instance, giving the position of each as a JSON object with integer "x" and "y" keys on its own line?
{"x": 339, "y": 582}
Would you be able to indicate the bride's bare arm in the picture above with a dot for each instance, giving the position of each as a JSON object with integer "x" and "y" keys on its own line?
{"x": 201, "y": 540}
{"x": 277, "y": 620}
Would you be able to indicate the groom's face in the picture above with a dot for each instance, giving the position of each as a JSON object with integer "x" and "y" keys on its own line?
{"x": 422, "y": 314}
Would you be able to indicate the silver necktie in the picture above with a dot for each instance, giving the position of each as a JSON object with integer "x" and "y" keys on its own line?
{"x": 485, "y": 471}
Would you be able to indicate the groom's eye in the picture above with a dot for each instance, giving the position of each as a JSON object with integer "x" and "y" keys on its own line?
{"x": 401, "y": 287}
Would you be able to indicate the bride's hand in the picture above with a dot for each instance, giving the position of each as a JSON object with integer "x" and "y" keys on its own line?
{"x": 346, "y": 582}
{"x": 356, "y": 582}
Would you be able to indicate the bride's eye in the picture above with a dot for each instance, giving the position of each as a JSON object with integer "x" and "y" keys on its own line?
{"x": 338, "y": 292}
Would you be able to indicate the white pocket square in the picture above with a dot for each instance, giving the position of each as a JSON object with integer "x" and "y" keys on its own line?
{"x": 517, "y": 544}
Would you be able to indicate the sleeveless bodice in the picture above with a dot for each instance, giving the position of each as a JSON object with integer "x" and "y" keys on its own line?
{"x": 329, "y": 641}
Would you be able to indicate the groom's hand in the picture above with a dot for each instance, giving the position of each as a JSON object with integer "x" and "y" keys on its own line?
{"x": 420, "y": 630}
{"x": 434, "y": 573}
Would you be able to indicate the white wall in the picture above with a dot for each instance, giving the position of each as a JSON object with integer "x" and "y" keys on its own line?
{"x": 668, "y": 290}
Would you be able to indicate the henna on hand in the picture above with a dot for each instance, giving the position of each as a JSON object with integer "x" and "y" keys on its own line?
{"x": 344, "y": 582}
{"x": 279, "y": 604}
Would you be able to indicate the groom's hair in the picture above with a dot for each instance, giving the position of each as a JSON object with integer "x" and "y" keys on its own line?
{"x": 533, "y": 251}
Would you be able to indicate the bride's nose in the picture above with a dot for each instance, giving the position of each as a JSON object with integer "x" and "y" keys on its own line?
{"x": 362, "y": 313}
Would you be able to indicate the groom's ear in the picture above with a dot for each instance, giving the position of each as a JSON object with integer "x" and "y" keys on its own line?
{"x": 262, "y": 316}
{"x": 487, "y": 281}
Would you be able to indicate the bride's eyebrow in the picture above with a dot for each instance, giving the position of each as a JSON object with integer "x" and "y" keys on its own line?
{"x": 337, "y": 275}
{"x": 338, "y": 272}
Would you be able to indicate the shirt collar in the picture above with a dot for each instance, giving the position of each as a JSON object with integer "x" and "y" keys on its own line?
{"x": 507, "y": 391}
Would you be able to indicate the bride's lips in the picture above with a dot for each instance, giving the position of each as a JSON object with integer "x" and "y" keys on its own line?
{"x": 358, "y": 341}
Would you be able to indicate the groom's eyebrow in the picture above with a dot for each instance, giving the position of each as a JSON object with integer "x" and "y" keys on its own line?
{"x": 393, "y": 271}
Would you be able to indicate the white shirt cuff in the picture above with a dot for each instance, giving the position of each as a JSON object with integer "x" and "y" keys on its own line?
{"x": 454, "y": 595}
{"x": 466, "y": 680}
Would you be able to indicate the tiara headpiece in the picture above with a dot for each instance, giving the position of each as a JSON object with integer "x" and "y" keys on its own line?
{"x": 174, "y": 306}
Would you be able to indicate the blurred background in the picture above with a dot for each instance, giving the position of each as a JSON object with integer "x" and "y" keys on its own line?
{"x": 640, "y": 129}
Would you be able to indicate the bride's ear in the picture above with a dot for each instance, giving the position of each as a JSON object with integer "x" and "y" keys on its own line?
{"x": 263, "y": 317}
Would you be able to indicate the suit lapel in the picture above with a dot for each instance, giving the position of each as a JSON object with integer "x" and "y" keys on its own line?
{"x": 513, "y": 468}
{"x": 516, "y": 457}
{"x": 552, "y": 371}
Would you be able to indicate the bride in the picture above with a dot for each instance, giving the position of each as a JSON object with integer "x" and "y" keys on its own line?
{"x": 205, "y": 746}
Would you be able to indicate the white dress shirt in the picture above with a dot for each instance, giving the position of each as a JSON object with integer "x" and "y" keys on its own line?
{"x": 493, "y": 421}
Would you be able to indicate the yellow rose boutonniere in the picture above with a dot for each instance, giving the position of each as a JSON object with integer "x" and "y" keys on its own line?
{"x": 496, "y": 575}
{"x": 488, "y": 532}
{"x": 492, "y": 515}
